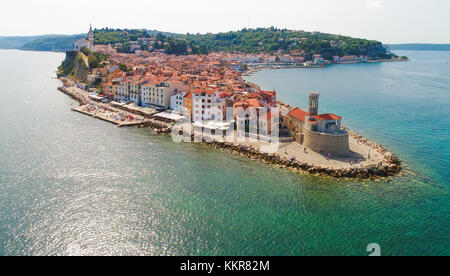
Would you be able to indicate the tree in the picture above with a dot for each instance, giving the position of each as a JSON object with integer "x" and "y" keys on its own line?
{"x": 86, "y": 51}
{"x": 124, "y": 68}
{"x": 93, "y": 62}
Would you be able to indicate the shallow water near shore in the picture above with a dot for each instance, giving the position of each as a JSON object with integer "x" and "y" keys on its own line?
{"x": 70, "y": 184}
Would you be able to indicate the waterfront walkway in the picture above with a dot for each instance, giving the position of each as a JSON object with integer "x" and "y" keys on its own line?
{"x": 110, "y": 114}
{"x": 359, "y": 156}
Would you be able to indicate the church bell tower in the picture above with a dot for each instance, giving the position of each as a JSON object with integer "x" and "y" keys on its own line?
{"x": 91, "y": 36}
{"x": 313, "y": 104}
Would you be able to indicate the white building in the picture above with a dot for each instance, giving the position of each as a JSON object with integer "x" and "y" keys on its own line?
{"x": 134, "y": 91}
{"x": 287, "y": 59}
{"x": 157, "y": 93}
{"x": 250, "y": 59}
{"x": 207, "y": 105}
{"x": 270, "y": 60}
{"x": 176, "y": 102}
{"x": 122, "y": 92}
{"x": 88, "y": 43}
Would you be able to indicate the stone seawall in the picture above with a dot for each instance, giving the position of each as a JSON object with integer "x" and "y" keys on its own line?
{"x": 390, "y": 166}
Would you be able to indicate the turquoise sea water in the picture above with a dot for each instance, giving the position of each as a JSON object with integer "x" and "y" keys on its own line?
{"x": 72, "y": 184}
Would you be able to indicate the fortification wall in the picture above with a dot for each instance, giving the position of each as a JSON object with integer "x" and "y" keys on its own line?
{"x": 337, "y": 145}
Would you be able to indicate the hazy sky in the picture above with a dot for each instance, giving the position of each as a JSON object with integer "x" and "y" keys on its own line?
{"x": 390, "y": 21}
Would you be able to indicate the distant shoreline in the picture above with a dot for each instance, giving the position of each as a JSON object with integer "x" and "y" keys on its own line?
{"x": 258, "y": 68}
{"x": 418, "y": 47}
{"x": 28, "y": 50}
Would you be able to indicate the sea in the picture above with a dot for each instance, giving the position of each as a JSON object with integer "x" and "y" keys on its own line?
{"x": 74, "y": 185}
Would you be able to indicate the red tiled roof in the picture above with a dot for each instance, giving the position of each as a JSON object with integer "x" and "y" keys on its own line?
{"x": 253, "y": 103}
{"x": 327, "y": 117}
{"x": 298, "y": 114}
{"x": 208, "y": 92}
{"x": 269, "y": 93}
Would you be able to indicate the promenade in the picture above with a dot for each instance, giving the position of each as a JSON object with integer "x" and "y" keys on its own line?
{"x": 358, "y": 157}
{"x": 110, "y": 114}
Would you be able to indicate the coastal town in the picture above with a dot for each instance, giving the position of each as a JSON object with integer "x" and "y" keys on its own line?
{"x": 208, "y": 93}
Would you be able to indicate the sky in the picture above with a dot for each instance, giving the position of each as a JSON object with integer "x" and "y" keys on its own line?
{"x": 389, "y": 21}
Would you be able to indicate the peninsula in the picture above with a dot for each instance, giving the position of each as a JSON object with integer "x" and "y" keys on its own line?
{"x": 205, "y": 94}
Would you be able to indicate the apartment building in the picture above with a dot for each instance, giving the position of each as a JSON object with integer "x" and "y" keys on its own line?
{"x": 157, "y": 93}
{"x": 203, "y": 102}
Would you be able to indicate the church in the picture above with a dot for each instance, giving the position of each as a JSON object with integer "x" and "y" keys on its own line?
{"x": 88, "y": 43}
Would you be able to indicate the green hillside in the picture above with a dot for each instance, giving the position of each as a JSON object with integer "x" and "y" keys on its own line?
{"x": 15, "y": 42}
{"x": 272, "y": 40}
{"x": 268, "y": 40}
{"x": 57, "y": 43}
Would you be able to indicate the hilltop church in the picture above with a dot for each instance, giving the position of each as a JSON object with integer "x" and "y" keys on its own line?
{"x": 88, "y": 43}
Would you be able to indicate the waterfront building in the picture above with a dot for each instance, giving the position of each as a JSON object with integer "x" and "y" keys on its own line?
{"x": 295, "y": 121}
{"x": 270, "y": 60}
{"x": 247, "y": 111}
{"x": 203, "y": 102}
{"x": 287, "y": 59}
{"x": 325, "y": 123}
{"x": 122, "y": 90}
{"x": 250, "y": 59}
{"x": 187, "y": 104}
{"x": 157, "y": 93}
{"x": 135, "y": 91}
{"x": 299, "y": 59}
{"x": 320, "y": 133}
{"x": 87, "y": 43}
{"x": 108, "y": 90}
{"x": 177, "y": 102}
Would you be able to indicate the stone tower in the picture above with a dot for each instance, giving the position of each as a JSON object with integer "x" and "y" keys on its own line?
{"x": 91, "y": 37}
{"x": 313, "y": 104}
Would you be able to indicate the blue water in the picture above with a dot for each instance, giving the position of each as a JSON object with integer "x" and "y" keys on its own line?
{"x": 70, "y": 184}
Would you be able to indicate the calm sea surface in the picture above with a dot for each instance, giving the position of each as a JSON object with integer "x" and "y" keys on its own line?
{"x": 70, "y": 184}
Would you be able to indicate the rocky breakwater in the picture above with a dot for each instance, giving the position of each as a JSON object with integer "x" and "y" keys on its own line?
{"x": 158, "y": 127}
{"x": 389, "y": 167}
{"x": 76, "y": 96}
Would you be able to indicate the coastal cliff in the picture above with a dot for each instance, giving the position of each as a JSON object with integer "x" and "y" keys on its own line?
{"x": 75, "y": 65}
